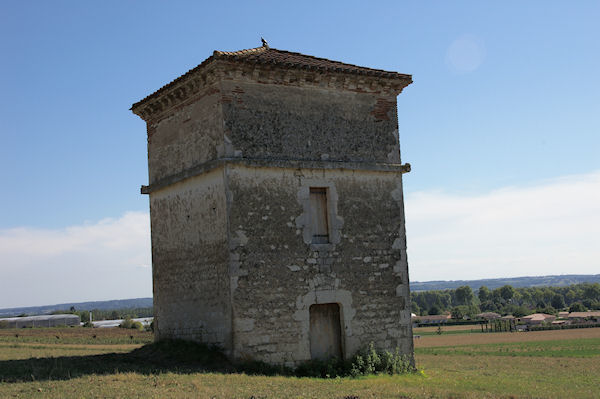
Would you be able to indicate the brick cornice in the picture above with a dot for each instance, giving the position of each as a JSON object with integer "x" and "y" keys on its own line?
{"x": 198, "y": 82}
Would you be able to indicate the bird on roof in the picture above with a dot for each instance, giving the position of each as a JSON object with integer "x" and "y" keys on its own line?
{"x": 264, "y": 43}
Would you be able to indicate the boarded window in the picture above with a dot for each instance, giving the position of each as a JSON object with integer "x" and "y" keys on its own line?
{"x": 318, "y": 215}
{"x": 325, "y": 331}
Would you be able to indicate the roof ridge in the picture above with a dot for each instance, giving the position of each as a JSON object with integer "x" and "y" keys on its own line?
{"x": 240, "y": 52}
{"x": 287, "y": 59}
{"x": 265, "y": 49}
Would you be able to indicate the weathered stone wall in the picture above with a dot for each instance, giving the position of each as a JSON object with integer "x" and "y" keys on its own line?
{"x": 233, "y": 150}
{"x": 188, "y": 136}
{"x": 276, "y": 275}
{"x": 190, "y": 260}
{"x": 291, "y": 122}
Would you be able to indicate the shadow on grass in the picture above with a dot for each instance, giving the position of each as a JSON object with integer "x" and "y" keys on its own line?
{"x": 165, "y": 356}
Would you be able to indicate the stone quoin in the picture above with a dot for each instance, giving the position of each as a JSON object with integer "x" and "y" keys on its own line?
{"x": 277, "y": 214}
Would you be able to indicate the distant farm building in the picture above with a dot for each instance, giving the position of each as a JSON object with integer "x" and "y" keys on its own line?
{"x": 488, "y": 315}
{"x": 538, "y": 318}
{"x": 584, "y": 317}
{"x": 54, "y": 320}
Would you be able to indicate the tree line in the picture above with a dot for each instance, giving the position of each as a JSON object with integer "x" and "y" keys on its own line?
{"x": 519, "y": 302}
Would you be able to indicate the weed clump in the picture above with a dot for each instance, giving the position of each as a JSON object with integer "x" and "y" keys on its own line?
{"x": 367, "y": 361}
{"x": 134, "y": 325}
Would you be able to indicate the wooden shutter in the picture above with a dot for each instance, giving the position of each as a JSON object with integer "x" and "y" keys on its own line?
{"x": 325, "y": 331}
{"x": 318, "y": 214}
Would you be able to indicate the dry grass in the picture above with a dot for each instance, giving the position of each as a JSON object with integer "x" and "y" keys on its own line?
{"x": 75, "y": 335}
{"x": 448, "y": 375}
{"x": 14, "y": 351}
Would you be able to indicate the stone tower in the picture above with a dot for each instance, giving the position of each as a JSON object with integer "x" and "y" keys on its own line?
{"x": 276, "y": 207}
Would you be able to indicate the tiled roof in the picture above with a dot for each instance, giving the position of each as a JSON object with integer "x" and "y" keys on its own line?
{"x": 538, "y": 316}
{"x": 269, "y": 56}
{"x": 584, "y": 314}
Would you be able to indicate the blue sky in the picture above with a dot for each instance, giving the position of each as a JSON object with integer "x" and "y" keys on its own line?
{"x": 505, "y": 104}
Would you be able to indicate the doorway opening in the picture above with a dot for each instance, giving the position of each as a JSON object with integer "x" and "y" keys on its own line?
{"x": 325, "y": 331}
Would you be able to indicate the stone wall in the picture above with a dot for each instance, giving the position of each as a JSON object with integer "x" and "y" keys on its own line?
{"x": 188, "y": 136}
{"x": 291, "y": 122}
{"x": 190, "y": 260}
{"x": 233, "y": 150}
{"x": 276, "y": 275}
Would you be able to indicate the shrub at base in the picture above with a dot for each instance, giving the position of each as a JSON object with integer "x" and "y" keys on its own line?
{"x": 135, "y": 325}
{"x": 366, "y": 362}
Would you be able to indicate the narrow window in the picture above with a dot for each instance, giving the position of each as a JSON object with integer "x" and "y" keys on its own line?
{"x": 318, "y": 215}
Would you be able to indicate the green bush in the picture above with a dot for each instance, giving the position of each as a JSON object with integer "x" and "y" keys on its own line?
{"x": 136, "y": 325}
{"x": 127, "y": 323}
{"x": 366, "y": 361}
{"x": 372, "y": 361}
{"x": 577, "y": 307}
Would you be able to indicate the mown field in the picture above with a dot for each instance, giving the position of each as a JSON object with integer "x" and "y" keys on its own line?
{"x": 117, "y": 363}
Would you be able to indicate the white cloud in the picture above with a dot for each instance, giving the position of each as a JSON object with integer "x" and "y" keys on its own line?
{"x": 550, "y": 228}
{"x": 109, "y": 259}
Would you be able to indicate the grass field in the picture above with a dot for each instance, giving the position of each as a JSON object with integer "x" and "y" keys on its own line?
{"x": 117, "y": 363}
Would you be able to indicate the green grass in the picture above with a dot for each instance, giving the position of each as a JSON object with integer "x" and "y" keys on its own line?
{"x": 576, "y": 348}
{"x": 567, "y": 368}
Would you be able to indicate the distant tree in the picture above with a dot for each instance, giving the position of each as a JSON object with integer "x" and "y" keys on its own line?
{"x": 547, "y": 310}
{"x": 520, "y": 311}
{"x": 577, "y": 307}
{"x": 84, "y": 315}
{"x": 489, "y": 306}
{"x": 414, "y": 307}
{"x": 525, "y": 296}
{"x": 592, "y": 292}
{"x": 558, "y": 302}
{"x": 570, "y": 296}
{"x": 484, "y": 294}
{"x": 127, "y": 323}
{"x": 72, "y": 309}
{"x": 457, "y": 313}
{"x": 540, "y": 305}
{"x": 507, "y": 292}
{"x": 434, "y": 310}
{"x": 464, "y": 295}
{"x": 460, "y": 312}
